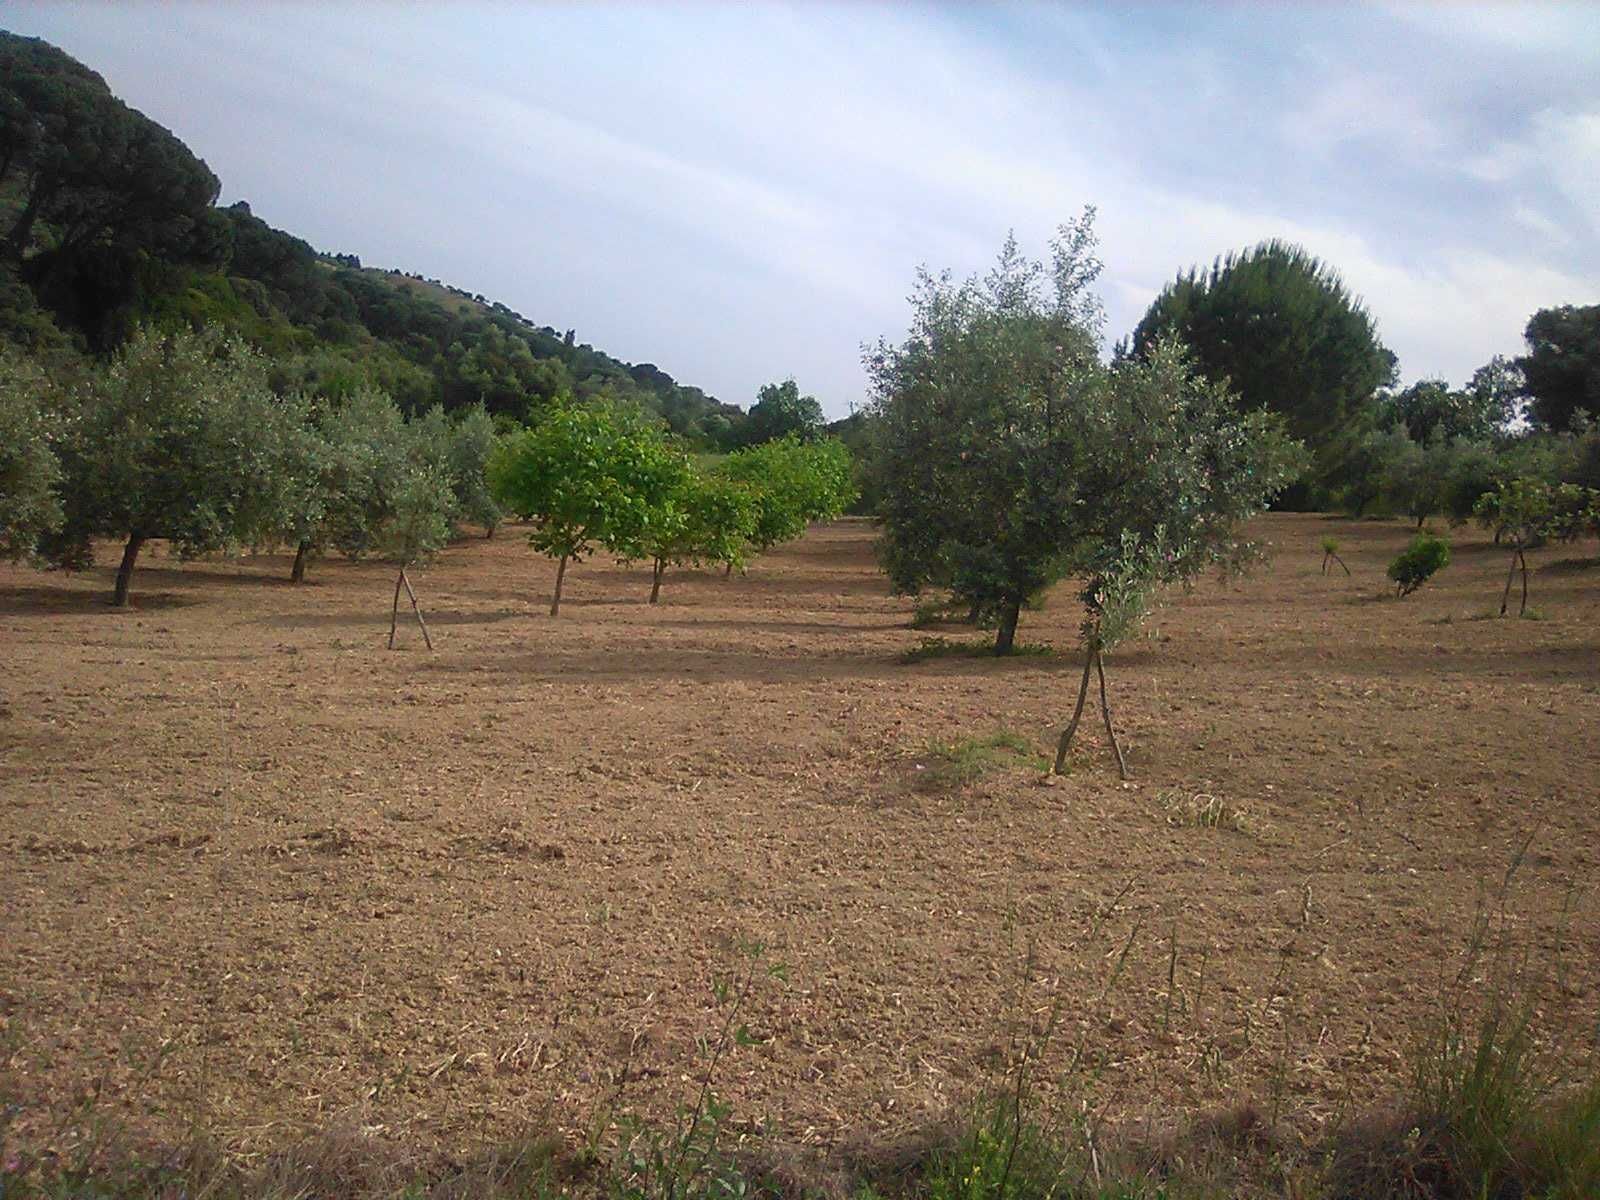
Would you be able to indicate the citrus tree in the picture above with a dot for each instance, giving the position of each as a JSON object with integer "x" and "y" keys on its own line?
{"x": 714, "y": 520}
{"x": 794, "y": 482}
{"x": 1013, "y": 457}
{"x": 588, "y": 477}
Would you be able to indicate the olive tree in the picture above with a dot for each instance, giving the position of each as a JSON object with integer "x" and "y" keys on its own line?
{"x": 29, "y": 472}
{"x": 172, "y": 439}
{"x": 1015, "y": 458}
{"x": 1530, "y": 511}
{"x": 414, "y": 527}
{"x": 472, "y": 442}
{"x": 348, "y": 462}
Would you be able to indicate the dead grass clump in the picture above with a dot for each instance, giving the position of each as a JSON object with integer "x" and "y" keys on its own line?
{"x": 1203, "y": 810}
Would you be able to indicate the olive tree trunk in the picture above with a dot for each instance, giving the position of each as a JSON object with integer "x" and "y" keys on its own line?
{"x": 298, "y": 573}
{"x": 655, "y": 580}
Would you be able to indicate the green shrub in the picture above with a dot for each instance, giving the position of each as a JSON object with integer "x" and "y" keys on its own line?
{"x": 1418, "y": 562}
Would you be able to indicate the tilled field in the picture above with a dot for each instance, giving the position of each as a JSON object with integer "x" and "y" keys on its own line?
{"x": 258, "y": 871}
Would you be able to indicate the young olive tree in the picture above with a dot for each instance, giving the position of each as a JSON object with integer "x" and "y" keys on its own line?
{"x": 1530, "y": 511}
{"x": 174, "y": 439}
{"x": 587, "y": 476}
{"x": 1015, "y": 458}
{"x": 29, "y": 472}
{"x": 414, "y": 528}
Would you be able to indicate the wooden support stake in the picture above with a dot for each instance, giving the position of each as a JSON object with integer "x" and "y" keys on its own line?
{"x": 415, "y": 608}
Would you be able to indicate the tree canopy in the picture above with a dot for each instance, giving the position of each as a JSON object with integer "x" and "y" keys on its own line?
{"x": 588, "y": 476}
{"x": 1562, "y": 366}
{"x": 1013, "y": 457}
{"x": 781, "y": 411}
{"x": 1283, "y": 330}
{"x": 175, "y": 438}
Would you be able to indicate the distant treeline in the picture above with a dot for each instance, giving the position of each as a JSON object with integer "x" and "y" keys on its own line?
{"x": 109, "y": 222}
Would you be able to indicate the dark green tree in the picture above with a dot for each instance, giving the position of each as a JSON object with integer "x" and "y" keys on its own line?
{"x": 781, "y": 411}
{"x": 1562, "y": 366}
{"x": 98, "y": 186}
{"x": 1283, "y": 330}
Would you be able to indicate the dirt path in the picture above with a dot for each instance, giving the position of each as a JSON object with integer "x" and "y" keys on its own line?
{"x": 256, "y": 869}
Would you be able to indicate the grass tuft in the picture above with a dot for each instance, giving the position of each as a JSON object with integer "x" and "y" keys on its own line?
{"x": 944, "y": 765}
{"x": 940, "y": 647}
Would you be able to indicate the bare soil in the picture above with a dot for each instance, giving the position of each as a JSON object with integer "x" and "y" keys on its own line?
{"x": 258, "y": 871}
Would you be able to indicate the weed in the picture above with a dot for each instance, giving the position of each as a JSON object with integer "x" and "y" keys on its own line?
{"x": 958, "y": 764}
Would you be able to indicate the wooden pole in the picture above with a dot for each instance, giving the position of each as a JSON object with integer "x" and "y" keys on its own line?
{"x": 415, "y": 608}
{"x": 394, "y": 613}
{"x": 1505, "y": 596}
{"x": 1105, "y": 707}
{"x": 1072, "y": 727}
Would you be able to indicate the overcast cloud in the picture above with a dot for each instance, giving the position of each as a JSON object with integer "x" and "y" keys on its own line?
{"x": 742, "y": 193}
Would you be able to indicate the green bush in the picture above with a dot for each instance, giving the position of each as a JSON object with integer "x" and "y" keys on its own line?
{"x": 1418, "y": 562}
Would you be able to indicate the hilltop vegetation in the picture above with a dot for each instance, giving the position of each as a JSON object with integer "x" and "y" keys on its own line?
{"x": 109, "y": 221}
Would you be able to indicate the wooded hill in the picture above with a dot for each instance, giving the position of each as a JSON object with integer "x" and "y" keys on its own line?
{"x": 108, "y": 221}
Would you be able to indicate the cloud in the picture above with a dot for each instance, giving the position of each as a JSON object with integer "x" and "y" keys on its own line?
{"x": 736, "y": 193}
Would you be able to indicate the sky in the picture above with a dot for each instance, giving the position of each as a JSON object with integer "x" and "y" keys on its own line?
{"x": 740, "y": 193}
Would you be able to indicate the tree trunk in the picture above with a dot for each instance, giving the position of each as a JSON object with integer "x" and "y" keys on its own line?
{"x": 1006, "y": 635}
{"x": 727, "y": 571}
{"x": 1340, "y": 561}
{"x": 1420, "y": 520}
{"x": 655, "y": 580}
{"x": 974, "y": 611}
{"x": 1065, "y": 743}
{"x": 488, "y": 532}
{"x": 298, "y": 573}
{"x": 130, "y": 555}
{"x": 561, "y": 574}
{"x": 1522, "y": 558}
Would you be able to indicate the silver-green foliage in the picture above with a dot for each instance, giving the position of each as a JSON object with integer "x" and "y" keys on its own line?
{"x": 29, "y": 472}
{"x": 173, "y": 439}
{"x": 1012, "y": 457}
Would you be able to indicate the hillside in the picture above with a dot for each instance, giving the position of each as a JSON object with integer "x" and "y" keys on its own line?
{"x": 108, "y": 220}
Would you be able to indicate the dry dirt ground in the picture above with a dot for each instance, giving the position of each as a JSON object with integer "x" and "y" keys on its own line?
{"x": 256, "y": 870}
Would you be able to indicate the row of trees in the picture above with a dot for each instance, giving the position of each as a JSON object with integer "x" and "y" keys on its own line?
{"x": 1289, "y": 337}
{"x": 182, "y": 437}
{"x": 604, "y": 478}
